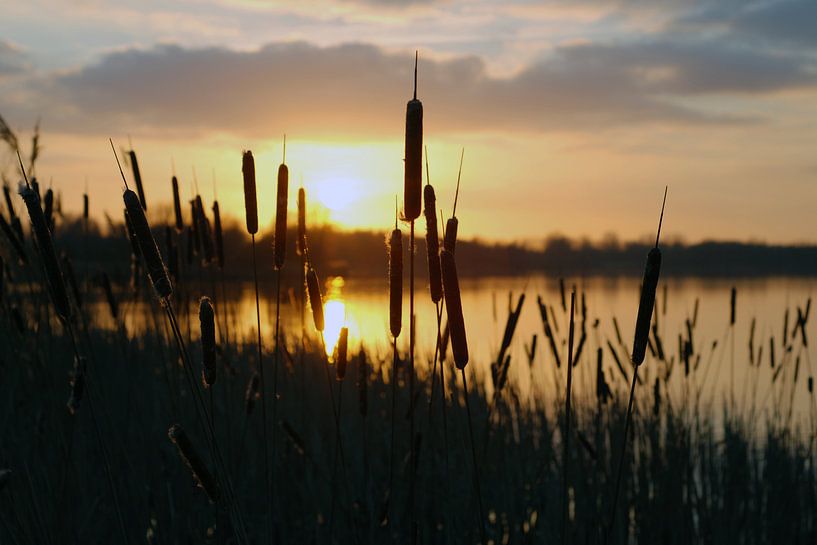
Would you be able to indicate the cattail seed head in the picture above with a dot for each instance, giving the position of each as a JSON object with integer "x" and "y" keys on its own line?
{"x": 314, "y": 291}
{"x": 251, "y": 393}
{"x": 343, "y": 342}
{"x": 137, "y": 177}
{"x": 450, "y": 238}
{"x": 732, "y": 300}
{"x": 396, "y": 282}
{"x": 147, "y": 244}
{"x": 414, "y": 160}
{"x": 301, "y": 244}
{"x": 56, "y": 284}
{"x": 134, "y": 244}
{"x": 77, "y": 385}
{"x": 85, "y": 207}
{"x": 250, "y": 201}
{"x": 48, "y": 209}
{"x": 219, "y": 235}
{"x": 194, "y": 224}
{"x": 194, "y": 462}
{"x": 281, "y": 216}
{"x": 208, "y": 340}
{"x": 435, "y": 282}
{"x": 444, "y": 342}
{"x": 177, "y": 204}
{"x": 645, "y": 306}
{"x": 205, "y": 233}
{"x": 453, "y": 303}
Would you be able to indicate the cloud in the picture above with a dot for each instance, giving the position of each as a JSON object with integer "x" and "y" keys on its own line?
{"x": 12, "y": 59}
{"x": 358, "y": 89}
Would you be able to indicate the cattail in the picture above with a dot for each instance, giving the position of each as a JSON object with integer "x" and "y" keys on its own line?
{"x": 13, "y": 240}
{"x": 85, "y": 207}
{"x": 147, "y": 244}
{"x": 177, "y": 204}
{"x": 112, "y": 304}
{"x": 205, "y": 233}
{"x": 194, "y": 223}
{"x": 134, "y": 244}
{"x": 35, "y": 186}
{"x": 435, "y": 282}
{"x": 281, "y": 215}
{"x": 752, "y": 342}
{"x": 301, "y": 243}
{"x": 648, "y": 287}
{"x": 562, "y": 292}
{"x": 412, "y": 201}
{"x": 732, "y": 297}
{"x": 343, "y": 342}
{"x": 137, "y": 177}
{"x": 810, "y": 385}
{"x": 39, "y": 226}
{"x": 396, "y": 282}
{"x": 219, "y": 235}
{"x": 69, "y": 274}
{"x": 48, "y": 209}
{"x": 450, "y": 238}
{"x": 771, "y": 351}
{"x": 362, "y": 383}
{"x": 208, "y": 340}
{"x": 172, "y": 254}
{"x": 251, "y": 393}
{"x": 77, "y": 385}
{"x": 444, "y": 341}
{"x": 250, "y": 202}
{"x": 453, "y": 303}
{"x": 194, "y": 462}
{"x": 314, "y": 291}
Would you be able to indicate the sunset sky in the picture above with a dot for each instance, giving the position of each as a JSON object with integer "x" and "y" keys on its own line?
{"x": 573, "y": 114}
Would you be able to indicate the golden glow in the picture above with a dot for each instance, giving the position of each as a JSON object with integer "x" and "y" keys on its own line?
{"x": 336, "y": 194}
{"x": 334, "y": 313}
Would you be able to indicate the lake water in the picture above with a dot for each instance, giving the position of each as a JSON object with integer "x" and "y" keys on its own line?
{"x": 362, "y": 306}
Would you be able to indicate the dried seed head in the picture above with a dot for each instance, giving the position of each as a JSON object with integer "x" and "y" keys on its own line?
{"x": 396, "y": 282}
{"x": 645, "y": 306}
{"x": 301, "y": 244}
{"x": 314, "y": 290}
{"x": 147, "y": 244}
{"x": 343, "y": 342}
{"x": 39, "y": 226}
{"x": 219, "y": 235}
{"x": 77, "y": 385}
{"x": 137, "y": 176}
{"x": 177, "y": 204}
{"x": 453, "y": 304}
{"x": 250, "y": 202}
{"x": 194, "y": 462}
{"x": 208, "y": 340}
{"x": 281, "y": 216}
{"x": 194, "y": 224}
{"x": 251, "y": 393}
{"x": 435, "y": 282}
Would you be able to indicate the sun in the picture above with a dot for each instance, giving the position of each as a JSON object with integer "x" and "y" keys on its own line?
{"x": 336, "y": 194}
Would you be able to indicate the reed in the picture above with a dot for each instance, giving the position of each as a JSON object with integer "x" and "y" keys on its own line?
{"x": 201, "y": 474}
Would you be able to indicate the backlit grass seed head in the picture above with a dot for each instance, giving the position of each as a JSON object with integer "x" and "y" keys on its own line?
{"x": 250, "y": 202}
{"x": 42, "y": 234}
{"x": 194, "y": 462}
{"x": 147, "y": 244}
{"x": 343, "y": 347}
{"x": 281, "y": 216}
{"x": 435, "y": 281}
{"x": 396, "y": 282}
{"x": 313, "y": 289}
{"x": 208, "y": 340}
{"x": 453, "y": 304}
{"x": 177, "y": 204}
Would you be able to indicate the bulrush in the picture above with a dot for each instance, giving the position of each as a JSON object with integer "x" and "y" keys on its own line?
{"x": 396, "y": 282}
{"x": 343, "y": 346}
{"x": 42, "y": 234}
{"x": 453, "y": 304}
{"x": 412, "y": 201}
{"x": 301, "y": 242}
{"x": 208, "y": 340}
{"x": 137, "y": 177}
{"x": 194, "y": 462}
{"x": 314, "y": 290}
{"x": 177, "y": 204}
{"x": 281, "y": 212}
{"x": 250, "y": 202}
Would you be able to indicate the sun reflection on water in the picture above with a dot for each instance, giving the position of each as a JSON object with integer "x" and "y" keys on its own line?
{"x": 334, "y": 311}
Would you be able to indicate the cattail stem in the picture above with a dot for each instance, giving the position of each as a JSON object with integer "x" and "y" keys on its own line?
{"x": 275, "y": 382}
{"x": 566, "y": 438}
{"x": 412, "y": 449}
{"x": 483, "y": 541}
{"x": 393, "y": 411}
{"x": 623, "y": 453}
{"x": 263, "y": 390}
